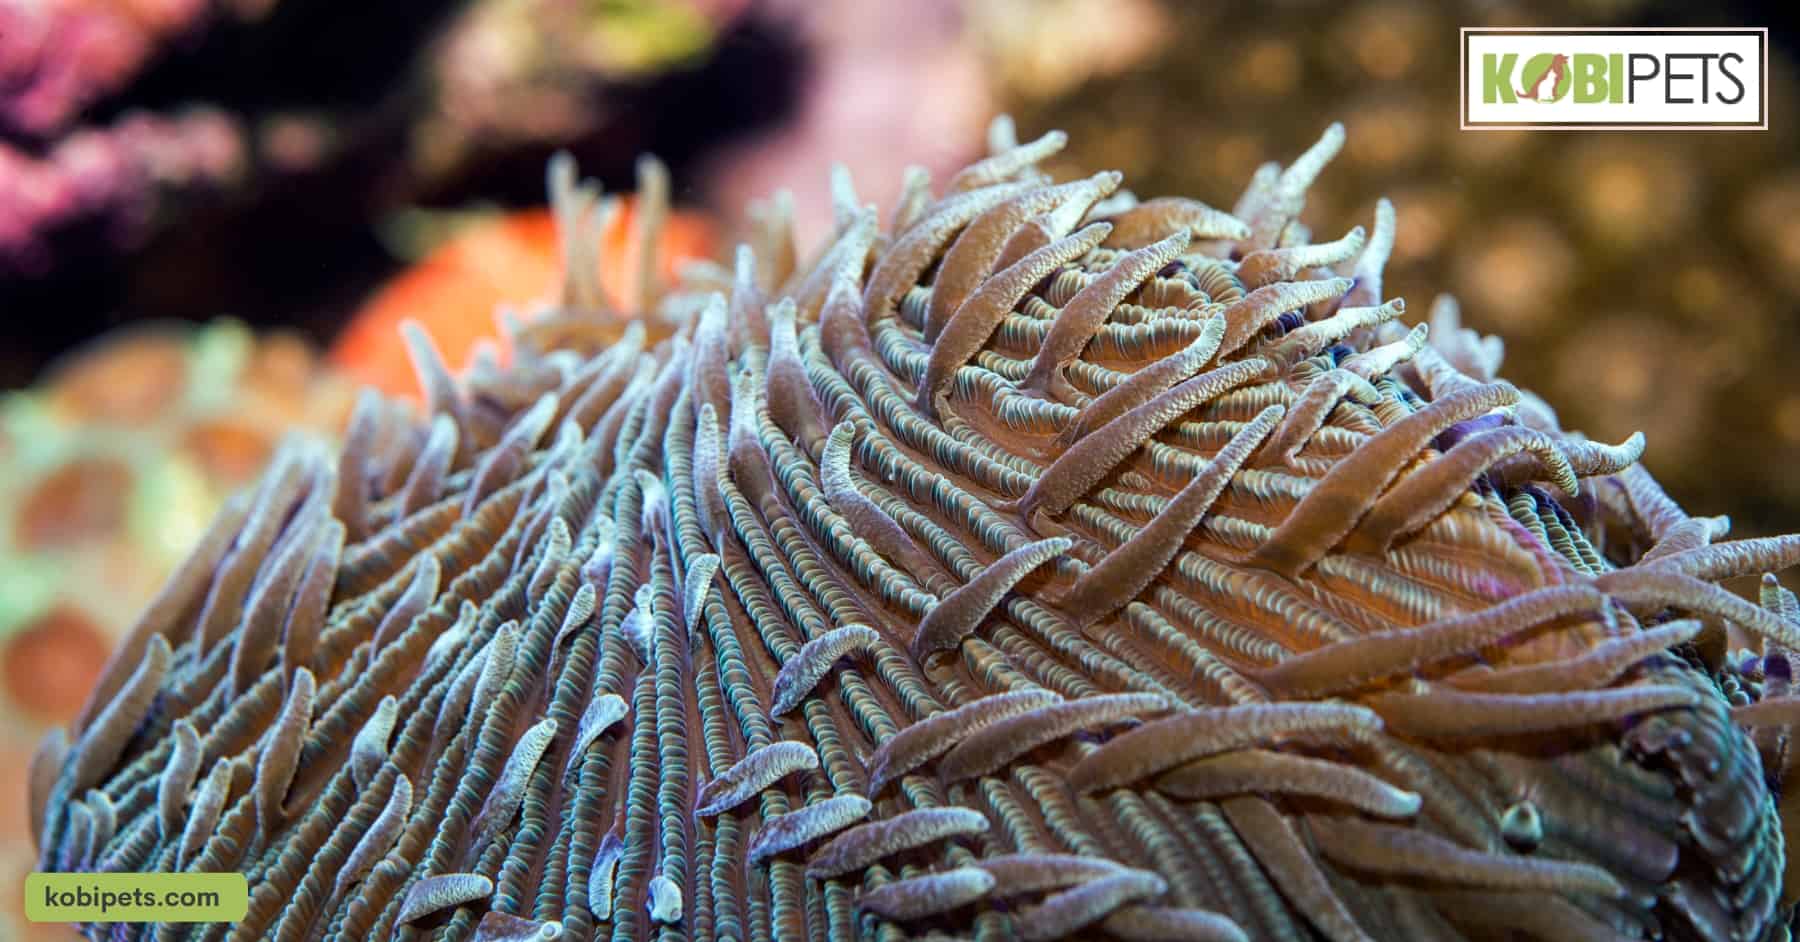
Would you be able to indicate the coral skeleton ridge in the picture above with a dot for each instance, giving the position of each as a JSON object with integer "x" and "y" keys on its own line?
{"x": 1028, "y": 560}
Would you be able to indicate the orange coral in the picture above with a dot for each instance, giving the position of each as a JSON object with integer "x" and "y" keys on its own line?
{"x": 510, "y": 260}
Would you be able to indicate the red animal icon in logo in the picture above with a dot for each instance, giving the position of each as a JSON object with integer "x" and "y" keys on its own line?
{"x": 1559, "y": 67}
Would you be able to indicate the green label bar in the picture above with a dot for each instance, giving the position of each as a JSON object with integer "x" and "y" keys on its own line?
{"x": 136, "y": 897}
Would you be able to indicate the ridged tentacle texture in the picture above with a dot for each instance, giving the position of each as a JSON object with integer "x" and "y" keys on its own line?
{"x": 754, "y": 632}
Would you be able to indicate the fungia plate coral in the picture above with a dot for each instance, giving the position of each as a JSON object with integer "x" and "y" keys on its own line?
{"x": 1029, "y": 560}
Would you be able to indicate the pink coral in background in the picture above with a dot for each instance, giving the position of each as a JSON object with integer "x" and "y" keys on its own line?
{"x": 58, "y": 57}
{"x": 114, "y": 176}
{"x": 889, "y": 84}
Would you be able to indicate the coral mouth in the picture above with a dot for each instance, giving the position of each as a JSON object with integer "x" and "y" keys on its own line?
{"x": 1659, "y": 826}
{"x": 1728, "y": 877}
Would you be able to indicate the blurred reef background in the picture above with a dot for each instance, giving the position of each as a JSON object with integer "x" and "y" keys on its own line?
{"x": 213, "y": 213}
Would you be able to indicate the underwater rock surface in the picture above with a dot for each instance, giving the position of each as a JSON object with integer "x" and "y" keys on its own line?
{"x": 1028, "y": 560}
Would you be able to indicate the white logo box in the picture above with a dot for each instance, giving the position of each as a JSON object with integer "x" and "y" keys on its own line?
{"x": 1646, "y": 79}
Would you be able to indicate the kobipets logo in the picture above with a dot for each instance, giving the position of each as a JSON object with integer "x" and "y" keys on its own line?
{"x": 1617, "y": 79}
